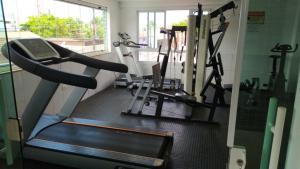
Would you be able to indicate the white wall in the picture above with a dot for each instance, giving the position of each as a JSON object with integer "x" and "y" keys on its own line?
{"x": 279, "y": 27}
{"x": 129, "y": 17}
{"x": 293, "y": 154}
{"x": 290, "y": 35}
{"x": 25, "y": 83}
{"x": 292, "y": 158}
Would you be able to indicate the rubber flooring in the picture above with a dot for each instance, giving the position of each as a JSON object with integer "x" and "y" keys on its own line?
{"x": 196, "y": 145}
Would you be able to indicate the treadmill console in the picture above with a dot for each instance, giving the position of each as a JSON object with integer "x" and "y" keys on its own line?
{"x": 37, "y": 49}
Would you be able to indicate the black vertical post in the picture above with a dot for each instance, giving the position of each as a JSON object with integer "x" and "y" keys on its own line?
{"x": 164, "y": 66}
{"x": 219, "y": 91}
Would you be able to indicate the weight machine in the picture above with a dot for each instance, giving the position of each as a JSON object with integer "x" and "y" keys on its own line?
{"x": 202, "y": 24}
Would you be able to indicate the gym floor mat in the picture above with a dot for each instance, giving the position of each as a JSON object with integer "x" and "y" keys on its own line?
{"x": 196, "y": 145}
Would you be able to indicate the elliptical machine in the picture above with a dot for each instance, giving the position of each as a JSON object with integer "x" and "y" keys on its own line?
{"x": 123, "y": 48}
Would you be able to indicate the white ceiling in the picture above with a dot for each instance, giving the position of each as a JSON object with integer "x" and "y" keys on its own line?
{"x": 189, "y": 1}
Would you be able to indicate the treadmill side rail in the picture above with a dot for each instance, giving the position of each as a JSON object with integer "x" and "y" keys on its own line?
{"x": 123, "y": 159}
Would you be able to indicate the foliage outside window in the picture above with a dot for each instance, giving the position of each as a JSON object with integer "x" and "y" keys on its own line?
{"x": 79, "y": 28}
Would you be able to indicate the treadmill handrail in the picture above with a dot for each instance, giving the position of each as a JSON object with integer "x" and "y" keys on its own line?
{"x": 99, "y": 64}
{"x": 40, "y": 69}
{"x": 88, "y": 61}
{"x": 90, "y": 152}
{"x": 45, "y": 72}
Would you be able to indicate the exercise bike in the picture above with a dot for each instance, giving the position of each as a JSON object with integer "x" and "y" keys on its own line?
{"x": 277, "y": 79}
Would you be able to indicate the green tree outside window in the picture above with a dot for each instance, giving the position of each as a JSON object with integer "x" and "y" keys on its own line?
{"x": 50, "y": 26}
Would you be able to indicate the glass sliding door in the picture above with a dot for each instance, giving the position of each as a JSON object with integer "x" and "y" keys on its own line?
{"x": 10, "y": 146}
{"x": 270, "y": 69}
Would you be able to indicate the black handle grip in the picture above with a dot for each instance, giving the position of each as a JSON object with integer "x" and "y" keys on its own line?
{"x": 88, "y": 61}
{"x": 284, "y": 48}
{"x": 141, "y": 44}
{"x": 45, "y": 72}
{"x": 99, "y": 64}
{"x": 134, "y": 45}
{"x": 64, "y": 77}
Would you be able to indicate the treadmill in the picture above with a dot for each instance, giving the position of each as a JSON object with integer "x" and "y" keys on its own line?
{"x": 75, "y": 142}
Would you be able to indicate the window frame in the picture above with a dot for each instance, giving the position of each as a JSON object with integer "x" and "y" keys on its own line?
{"x": 95, "y": 53}
{"x": 153, "y": 49}
{"x": 138, "y": 26}
{"x": 95, "y": 8}
{"x": 83, "y": 3}
{"x": 107, "y": 21}
{"x": 165, "y": 22}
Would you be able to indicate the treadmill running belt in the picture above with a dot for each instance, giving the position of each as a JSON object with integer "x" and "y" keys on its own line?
{"x": 101, "y": 138}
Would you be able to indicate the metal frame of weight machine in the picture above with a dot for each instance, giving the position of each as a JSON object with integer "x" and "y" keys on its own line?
{"x": 214, "y": 62}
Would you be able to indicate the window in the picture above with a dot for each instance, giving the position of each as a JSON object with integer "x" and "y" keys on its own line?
{"x": 149, "y": 25}
{"x": 176, "y": 17}
{"x": 79, "y": 28}
{"x": 3, "y": 61}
